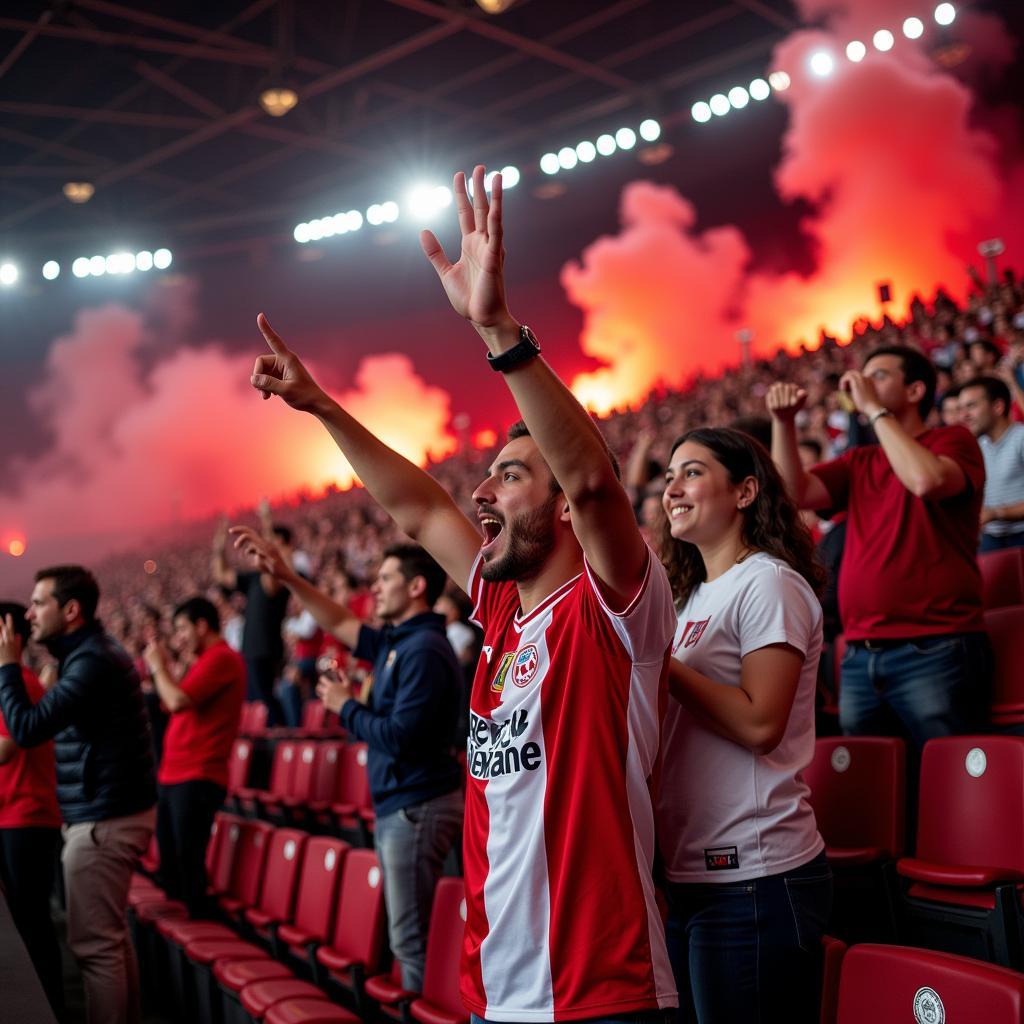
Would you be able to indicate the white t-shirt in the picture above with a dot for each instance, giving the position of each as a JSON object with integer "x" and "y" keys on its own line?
{"x": 726, "y": 814}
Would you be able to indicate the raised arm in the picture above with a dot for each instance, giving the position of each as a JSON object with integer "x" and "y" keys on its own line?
{"x": 923, "y": 473}
{"x": 221, "y": 572}
{"x": 333, "y": 617}
{"x": 784, "y": 401}
{"x": 572, "y": 446}
{"x": 415, "y": 500}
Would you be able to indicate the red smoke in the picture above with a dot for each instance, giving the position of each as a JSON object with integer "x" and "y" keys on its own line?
{"x": 132, "y": 451}
{"x": 902, "y": 185}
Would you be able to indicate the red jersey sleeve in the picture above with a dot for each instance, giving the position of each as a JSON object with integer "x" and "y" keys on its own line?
{"x": 835, "y": 475}
{"x": 209, "y": 675}
{"x": 960, "y": 445}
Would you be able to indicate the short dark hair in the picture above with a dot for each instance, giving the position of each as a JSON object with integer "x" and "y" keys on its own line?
{"x": 16, "y": 612}
{"x": 199, "y": 609}
{"x": 282, "y": 531}
{"x": 812, "y": 444}
{"x": 916, "y": 367}
{"x": 951, "y": 393}
{"x": 995, "y": 391}
{"x": 414, "y": 561}
{"x": 520, "y": 429}
{"x": 73, "y": 582}
{"x": 989, "y": 346}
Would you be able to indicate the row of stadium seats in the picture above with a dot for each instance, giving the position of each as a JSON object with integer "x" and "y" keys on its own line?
{"x": 317, "y": 722}
{"x": 303, "y": 938}
{"x": 1002, "y": 577}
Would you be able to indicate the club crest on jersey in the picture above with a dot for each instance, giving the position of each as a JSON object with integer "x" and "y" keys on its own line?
{"x": 692, "y": 633}
{"x": 498, "y": 682}
{"x": 526, "y": 664}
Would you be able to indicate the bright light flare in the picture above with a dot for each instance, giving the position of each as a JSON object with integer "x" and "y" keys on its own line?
{"x": 856, "y": 51}
{"x": 144, "y": 261}
{"x": 625, "y": 138}
{"x": 162, "y": 259}
{"x": 719, "y": 104}
{"x": 738, "y": 97}
{"x": 760, "y": 90}
{"x": 779, "y": 81}
{"x": 913, "y": 28}
{"x": 425, "y": 201}
{"x": 650, "y": 130}
{"x": 586, "y": 152}
{"x": 549, "y": 163}
{"x": 883, "y": 40}
{"x": 945, "y": 14}
{"x": 567, "y": 158}
{"x": 51, "y": 270}
{"x": 8, "y": 274}
{"x": 509, "y": 177}
{"x": 822, "y": 64}
{"x": 16, "y": 547}
{"x": 606, "y": 145}
{"x": 700, "y": 112}
{"x": 81, "y": 267}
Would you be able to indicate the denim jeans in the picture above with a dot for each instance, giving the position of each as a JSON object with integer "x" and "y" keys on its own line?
{"x": 750, "y": 951}
{"x": 935, "y": 685}
{"x": 412, "y": 845}
{"x": 991, "y": 542}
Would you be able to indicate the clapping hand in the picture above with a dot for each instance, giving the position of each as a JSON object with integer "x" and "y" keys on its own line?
{"x": 334, "y": 689}
{"x": 10, "y": 642}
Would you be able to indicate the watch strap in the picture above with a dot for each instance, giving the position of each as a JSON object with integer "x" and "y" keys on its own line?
{"x": 522, "y": 352}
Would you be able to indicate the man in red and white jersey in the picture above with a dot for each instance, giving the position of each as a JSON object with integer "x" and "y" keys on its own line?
{"x": 566, "y": 706}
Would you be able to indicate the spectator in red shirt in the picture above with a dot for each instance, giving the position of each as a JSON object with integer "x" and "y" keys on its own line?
{"x": 205, "y": 706}
{"x": 30, "y": 832}
{"x": 909, "y": 586}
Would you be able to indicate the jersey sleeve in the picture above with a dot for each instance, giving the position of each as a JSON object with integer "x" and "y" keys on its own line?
{"x": 777, "y": 607}
{"x": 960, "y": 445}
{"x": 207, "y": 677}
{"x": 835, "y": 475}
{"x": 646, "y": 626}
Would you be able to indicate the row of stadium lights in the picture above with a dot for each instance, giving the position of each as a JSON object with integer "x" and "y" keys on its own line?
{"x": 822, "y": 64}
{"x": 96, "y": 266}
{"x": 424, "y": 202}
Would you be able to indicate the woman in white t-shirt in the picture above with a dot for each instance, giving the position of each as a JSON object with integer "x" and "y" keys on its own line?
{"x": 749, "y": 889}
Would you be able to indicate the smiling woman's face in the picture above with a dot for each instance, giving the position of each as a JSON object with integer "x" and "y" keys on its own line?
{"x": 699, "y": 498}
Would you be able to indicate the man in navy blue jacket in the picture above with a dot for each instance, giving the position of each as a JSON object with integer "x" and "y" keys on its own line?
{"x": 408, "y": 725}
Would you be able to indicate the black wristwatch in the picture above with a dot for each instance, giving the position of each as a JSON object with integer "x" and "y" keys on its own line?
{"x": 522, "y": 352}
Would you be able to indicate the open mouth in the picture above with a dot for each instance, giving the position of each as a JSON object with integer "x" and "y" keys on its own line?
{"x": 678, "y": 511}
{"x": 492, "y": 529}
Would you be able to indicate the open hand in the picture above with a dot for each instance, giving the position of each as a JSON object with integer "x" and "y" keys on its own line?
{"x": 266, "y": 555}
{"x": 10, "y": 642}
{"x": 283, "y": 374}
{"x": 475, "y": 285}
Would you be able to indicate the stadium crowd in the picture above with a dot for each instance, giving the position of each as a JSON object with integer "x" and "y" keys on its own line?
{"x": 732, "y": 481}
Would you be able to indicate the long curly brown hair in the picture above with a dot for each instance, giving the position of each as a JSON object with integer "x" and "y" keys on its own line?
{"x": 771, "y": 522}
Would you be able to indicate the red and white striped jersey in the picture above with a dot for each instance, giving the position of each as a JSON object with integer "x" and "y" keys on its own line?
{"x": 565, "y": 723}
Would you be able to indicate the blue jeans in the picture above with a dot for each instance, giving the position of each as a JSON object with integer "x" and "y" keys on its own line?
{"x": 412, "y": 845}
{"x": 750, "y": 951}
{"x": 934, "y": 685}
{"x": 990, "y": 542}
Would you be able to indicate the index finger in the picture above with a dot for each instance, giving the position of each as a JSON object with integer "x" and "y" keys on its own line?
{"x": 273, "y": 339}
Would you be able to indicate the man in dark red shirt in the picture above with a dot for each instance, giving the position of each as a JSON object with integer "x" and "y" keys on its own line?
{"x": 205, "y": 706}
{"x": 909, "y": 586}
{"x": 30, "y": 832}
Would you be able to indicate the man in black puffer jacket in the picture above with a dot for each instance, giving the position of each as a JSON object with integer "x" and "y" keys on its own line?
{"x": 105, "y": 779}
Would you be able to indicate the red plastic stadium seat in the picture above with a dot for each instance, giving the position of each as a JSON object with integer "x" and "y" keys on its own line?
{"x": 1002, "y": 577}
{"x": 441, "y": 1002}
{"x": 897, "y": 985}
{"x": 239, "y": 764}
{"x": 280, "y": 876}
{"x": 832, "y": 951}
{"x": 858, "y": 786}
{"x": 387, "y": 992}
{"x": 301, "y": 788}
{"x": 1005, "y": 628}
{"x": 282, "y": 770}
{"x": 309, "y": 1011}
{"x": 357, "y": 943}
{"x": 315, "y": 904}
{"x": 325, "y": 780}
{"x": 260, "y": 996}
{"x": 254, "y": 719}
{"x": 970, "y": 847}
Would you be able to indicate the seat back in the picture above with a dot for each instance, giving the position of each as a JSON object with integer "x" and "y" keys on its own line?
{"x": 970, "y": 810}
{"x": 832, "y": 952}
{"x": 229, "y": 834}
{"x": 1002, "y": 577}
{"x": 353, "y": 780}
{"x": 896, "y": 985}
{"x": 359, "y": 925}
{"x": 254, "y": 718}
{"x": 858, "y": 791}
{"x": 314, "y": 716}
{"x": 444, "y": 946}
{"x": 250, "y": 857}
{"x": 317, "y": 899}
{"x": 328, "y": 766}
{"x": 238, "y": 764}
{"x": 301, "y": 785}
{"x": 1006, "y": 631}
{"x": 283, "y": 768}
{"x": 281, "y": 872}
{"x": 213, "y": 844}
